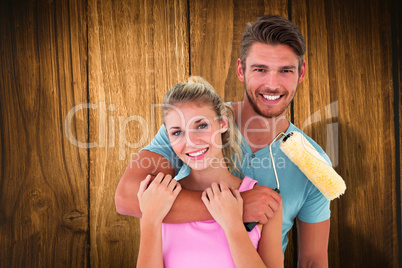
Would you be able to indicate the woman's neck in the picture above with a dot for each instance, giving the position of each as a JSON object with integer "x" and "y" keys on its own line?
{"x": 199, "y": 180}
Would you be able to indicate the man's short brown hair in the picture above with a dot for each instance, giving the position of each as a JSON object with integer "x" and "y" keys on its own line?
{"x": 272, "y": 30}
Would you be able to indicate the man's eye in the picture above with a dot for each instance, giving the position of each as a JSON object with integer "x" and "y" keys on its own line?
{"x": 259, "y": 70}
{"x": 177, "y": 133}
{"x": 287, "y": 71}
{"x": 202, "y": 126}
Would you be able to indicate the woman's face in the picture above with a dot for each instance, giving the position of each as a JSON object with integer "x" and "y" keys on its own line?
{"x": 195, "y": 132}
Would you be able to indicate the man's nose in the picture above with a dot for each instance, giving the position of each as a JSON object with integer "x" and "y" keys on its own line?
{"x": 271, "y": 81}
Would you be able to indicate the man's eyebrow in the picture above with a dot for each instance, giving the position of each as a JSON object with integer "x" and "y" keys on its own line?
{"x": 288, "y": 67}
{"x": 259, "y": 66}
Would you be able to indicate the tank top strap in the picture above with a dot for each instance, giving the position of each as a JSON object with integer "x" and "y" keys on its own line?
{"x": 247, "y": 184}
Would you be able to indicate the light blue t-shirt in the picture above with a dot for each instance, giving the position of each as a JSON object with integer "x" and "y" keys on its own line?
{"x": 299, "y": 196}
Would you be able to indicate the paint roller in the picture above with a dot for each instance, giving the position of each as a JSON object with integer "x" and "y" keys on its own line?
{"x": 300, "y": 151}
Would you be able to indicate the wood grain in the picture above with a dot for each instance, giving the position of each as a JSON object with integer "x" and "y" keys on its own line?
{"x": 103, "y": 63}
{"x": 397, "y": 82}
{"x": 313, "y": 107}
{"x": 348, "y": 91}
{"x": 44, "y": 177}
{"x": 137, "y": 51}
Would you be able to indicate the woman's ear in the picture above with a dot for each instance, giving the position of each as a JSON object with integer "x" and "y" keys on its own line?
{"x": 224, "y": 124}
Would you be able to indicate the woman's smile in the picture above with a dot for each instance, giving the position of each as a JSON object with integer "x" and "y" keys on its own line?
{"x": 198, "y": 154}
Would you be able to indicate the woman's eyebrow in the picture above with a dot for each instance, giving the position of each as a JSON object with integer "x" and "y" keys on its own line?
{"x": 174, "y": 127}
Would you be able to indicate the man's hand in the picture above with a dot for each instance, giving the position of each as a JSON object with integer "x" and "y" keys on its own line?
{"x": 260, "y": 204}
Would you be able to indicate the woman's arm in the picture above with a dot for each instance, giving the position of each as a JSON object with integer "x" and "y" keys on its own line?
{"x": 270, "y": 245}
{"x": 225, "y": 206}
{"x": 150, "y": 254}
{"x": 155, "y": 202}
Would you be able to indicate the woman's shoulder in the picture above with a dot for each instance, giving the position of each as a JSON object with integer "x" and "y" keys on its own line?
{"x": 247, "y": 184}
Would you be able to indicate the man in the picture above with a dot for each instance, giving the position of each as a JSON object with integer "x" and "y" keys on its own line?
{"x": 271, "y": 66}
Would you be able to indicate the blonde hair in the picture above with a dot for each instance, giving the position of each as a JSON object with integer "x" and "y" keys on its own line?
{"x": 200, "y": 91}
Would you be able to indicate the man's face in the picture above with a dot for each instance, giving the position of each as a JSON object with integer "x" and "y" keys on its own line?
{"x": 271, "y": 77}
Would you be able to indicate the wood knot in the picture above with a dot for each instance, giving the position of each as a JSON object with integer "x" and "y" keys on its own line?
{"x": 76, "y": 221}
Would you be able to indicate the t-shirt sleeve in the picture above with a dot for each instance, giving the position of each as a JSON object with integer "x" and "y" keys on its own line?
{"x": 160, "y": 144}
{"x": 316, "y": 207}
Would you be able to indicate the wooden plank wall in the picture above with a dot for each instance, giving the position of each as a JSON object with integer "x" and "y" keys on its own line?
{"x": 137, "y": 50}
{"x": 78, "y": 81}
{"x": 44, "y": 177}
{"x": 349, "y": 83}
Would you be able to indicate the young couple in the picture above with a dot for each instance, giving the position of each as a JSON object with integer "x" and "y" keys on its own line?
{"x": 203, "y": 211}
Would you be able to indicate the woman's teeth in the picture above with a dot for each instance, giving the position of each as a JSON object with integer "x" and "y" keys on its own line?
{"x": 269, "y": 97}
{"x": 198, "y": 153}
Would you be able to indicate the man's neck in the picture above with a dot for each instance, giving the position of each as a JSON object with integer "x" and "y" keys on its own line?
{"x": 258, "y": 131}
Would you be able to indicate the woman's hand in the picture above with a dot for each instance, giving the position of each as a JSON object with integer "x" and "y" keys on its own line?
{"x": 224, "y": 204}
{"x": 156, "y": 200}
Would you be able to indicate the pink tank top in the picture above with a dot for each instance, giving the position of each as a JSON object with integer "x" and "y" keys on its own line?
{"x": 202, "y": 243}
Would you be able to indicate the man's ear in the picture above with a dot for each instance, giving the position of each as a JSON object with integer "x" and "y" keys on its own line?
{"x": 239, "y": 70}
{"x": 302, "y": 72}
{"x": 224, "y": 124}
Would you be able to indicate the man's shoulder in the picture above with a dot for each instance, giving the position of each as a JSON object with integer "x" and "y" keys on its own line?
{"x": 292, "y": 127}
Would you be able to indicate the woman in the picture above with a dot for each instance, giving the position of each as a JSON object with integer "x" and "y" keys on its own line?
{"x": 202, "y": 133}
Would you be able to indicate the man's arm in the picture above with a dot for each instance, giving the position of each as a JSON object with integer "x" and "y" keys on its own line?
{"x": 188, "y": 205}
{"x": 260, "y": 204}
{"x": 313, "y": 244}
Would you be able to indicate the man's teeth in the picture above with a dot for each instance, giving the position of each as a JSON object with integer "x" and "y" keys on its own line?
{"x": 198, "y": 153}
{"x": 269, "y": 97}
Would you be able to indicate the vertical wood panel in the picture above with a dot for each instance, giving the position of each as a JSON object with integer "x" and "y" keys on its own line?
{"x": 349, "y": 66}
{"x": 137, "y": 51}
{"x": 312, "y": 104}
{"x": 44, "y": 177}
{"x": 397, "y": 83}
{"x": 211, "y": 24}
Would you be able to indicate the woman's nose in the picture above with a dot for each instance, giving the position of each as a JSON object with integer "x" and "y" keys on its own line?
{"x": 193, "y": 138}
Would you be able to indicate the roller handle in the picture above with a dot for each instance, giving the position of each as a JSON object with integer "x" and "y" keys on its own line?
{"x": 250, "y": 225}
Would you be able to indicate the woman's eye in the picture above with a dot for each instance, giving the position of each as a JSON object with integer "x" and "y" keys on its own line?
{"x": 177, "y": 133}
{"x": 202, "y": 126}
